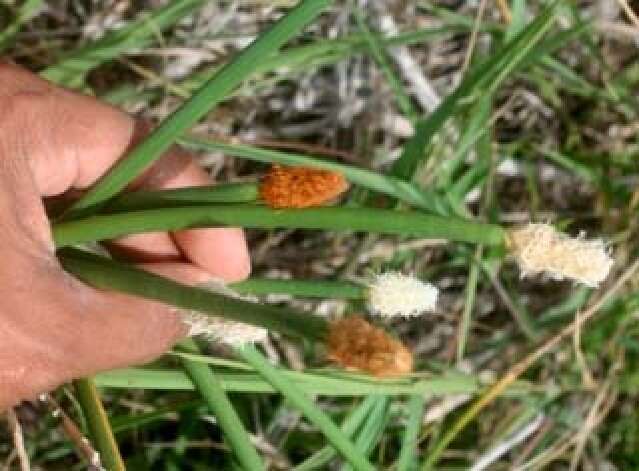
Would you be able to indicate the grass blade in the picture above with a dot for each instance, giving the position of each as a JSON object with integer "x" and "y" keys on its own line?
{"x": 220, "y": 406}
{"x": 25, "y": 12}
{"x": 372, "y": 429}
{"x": 299, "y": 399}
{"x": 351, "y": 424}
{"x": 303, "y": 288}
{"x": 469, "y": 304}
{"x": 98, "y": 423}
{"x": 378, "y": 53}
{"x": 202, "y": 101}
{"x": 334, "y": 385}
{"x": 407, "y": 456}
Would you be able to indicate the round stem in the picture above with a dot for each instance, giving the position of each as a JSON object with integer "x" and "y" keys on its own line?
{"x": 227, "y": 193}
{"x": 383, "y": 221}
{"x": 108, "y": 274}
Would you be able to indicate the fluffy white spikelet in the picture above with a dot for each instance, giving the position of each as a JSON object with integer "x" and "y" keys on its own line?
{"x": 539, "y": 248}
{"x": 220, "y": 330}
{"x": 224, "y": 331}
{"x": 394, "y": 294}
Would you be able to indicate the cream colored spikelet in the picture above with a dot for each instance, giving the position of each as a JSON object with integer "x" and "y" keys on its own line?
{"x": 219, "y": 330}
{"x": 394, "y": 294}
{"x": 539, "y": 248}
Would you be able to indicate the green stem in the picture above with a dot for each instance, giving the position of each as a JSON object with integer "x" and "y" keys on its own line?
{"x": 98, "y": 423}
{"x": 200, "y": 103}
{"x": 302, "y": 288}
{"x": 101, "y": 272}
{"x": 197, "y": 195}
{"x": 220, "y": 406}
{"x": 383, "y": 221}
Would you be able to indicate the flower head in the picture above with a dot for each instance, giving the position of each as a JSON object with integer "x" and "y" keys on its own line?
{"x": 301, "y": 187}
{"x": 394, "y": 294}
{"x": 539, "y": 248}
{"x": 220, "y": 330}
{"x": 353, "y": 343}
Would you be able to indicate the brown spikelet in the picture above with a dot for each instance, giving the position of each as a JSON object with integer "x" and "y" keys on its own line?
{"x": 301, "y": 187}
{"x": 353, "y": 343}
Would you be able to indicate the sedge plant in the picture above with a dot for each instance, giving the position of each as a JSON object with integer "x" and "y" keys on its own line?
{"x": 299, "y": 192}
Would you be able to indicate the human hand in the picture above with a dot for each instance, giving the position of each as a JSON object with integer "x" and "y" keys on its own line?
{"x": 53, "y": 328}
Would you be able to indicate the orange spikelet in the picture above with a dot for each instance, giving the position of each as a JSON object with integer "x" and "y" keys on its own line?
{"x": 353, "y": 343}
{"x": 301, "y": 187}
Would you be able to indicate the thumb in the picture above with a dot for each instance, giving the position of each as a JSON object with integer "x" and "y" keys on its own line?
{"x": 65, "y": 330}
{"x": 116, "y": 329}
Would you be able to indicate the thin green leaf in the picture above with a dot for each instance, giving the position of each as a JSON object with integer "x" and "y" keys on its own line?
{"x": 335, "y": 385}
{"x": 376, "y": 48}
{"x": 303, "y": 288}
{"x": 98, "y": 424}
{"x": 298, "y": 399}
{"x": 220, "y": 406}
{"x": 349, "y": 426}
{"x": 373, "y": 429}
{"x": 224, "y": 193}
{"x": 408, "y": 457}
{"x": 26, "y": 11}
{"x": 469, "y": 304}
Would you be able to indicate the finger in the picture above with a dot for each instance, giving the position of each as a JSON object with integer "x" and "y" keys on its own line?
{"x": 148, "y": 247}
{"x": 70, "y": 140}
{"x": 68, "y": 330}
{"x": 132, "y": 330}
{"x": 222, "y": 252}
{"x": 55, "y": 128}
{"x": 182, "y": 272}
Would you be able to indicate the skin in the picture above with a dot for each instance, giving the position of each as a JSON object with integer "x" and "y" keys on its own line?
{"x": 53, "y": 328}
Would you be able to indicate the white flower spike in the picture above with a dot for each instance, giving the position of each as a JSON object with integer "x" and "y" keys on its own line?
{"x": 393, "y": 294}
{"x": 539, "y": 248}
{"x": 219, "y": 330}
